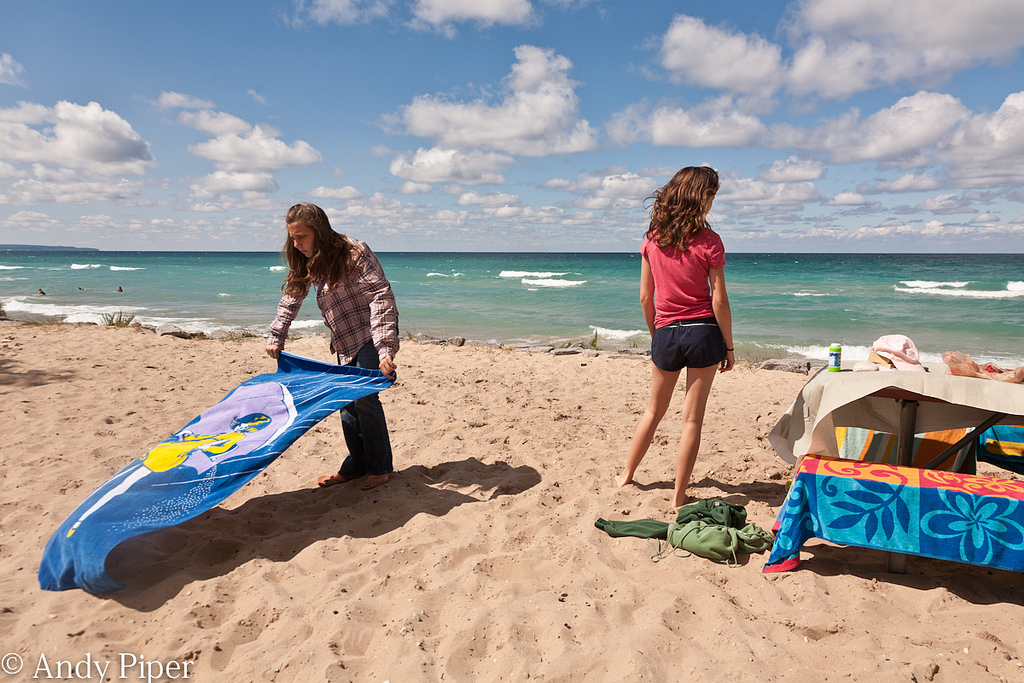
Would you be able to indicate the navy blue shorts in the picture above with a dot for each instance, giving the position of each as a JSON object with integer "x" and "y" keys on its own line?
{"x": 688, "y": 344}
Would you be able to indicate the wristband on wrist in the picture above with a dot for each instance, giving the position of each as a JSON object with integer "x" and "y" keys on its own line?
{"x": 728, "y": 349}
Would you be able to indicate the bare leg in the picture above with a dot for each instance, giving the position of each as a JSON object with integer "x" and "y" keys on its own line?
{"x": 662, "y": 385}
{"x": 698, "y": 388}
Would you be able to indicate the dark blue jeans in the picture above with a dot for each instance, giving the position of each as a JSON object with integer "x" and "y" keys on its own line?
{"x": 366, "y": 431}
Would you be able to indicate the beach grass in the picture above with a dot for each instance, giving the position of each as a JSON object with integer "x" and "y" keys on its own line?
{"x": 118, "y": 319}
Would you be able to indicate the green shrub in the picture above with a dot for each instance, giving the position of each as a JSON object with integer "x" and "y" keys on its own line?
{"x": 118, "y": 319}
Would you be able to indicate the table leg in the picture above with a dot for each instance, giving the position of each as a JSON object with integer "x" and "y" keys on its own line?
{"x": 904, "y": 458}
{"x": 908, "y": 427}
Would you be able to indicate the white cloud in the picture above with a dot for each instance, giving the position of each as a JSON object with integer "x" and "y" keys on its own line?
{"x": 908, "y": 182}
{"x": 626, "y": 186}
{"x": 409, "y": 187}
{"x": 257, "y": 150}
{"x": 889, "y": 234}
{"x": 988, "y": 149}
{"x": 347, "y": 192}
{"x": 213, "y": 122}
{"x": 439, "y": 165}
{"x": 9, "y": 171}
{"x": 713, "y": 124}
{"x": 569, "y": 4}
{"x": 970, "y": 233}
{"x": 611, "y": 188}
{"x": 539, "y": 115}
{"x": 345, "y": 12}
{"x": 25, "y": 113}
{"x": 237, "y": 147}
{"x": 712, "y": 57}
{"x": 846, "y": 199}
{"x": 558, "y": 185}
{"x": 30, "y": 219}
{"x": 946, "y": 203}
{"x": 842, "y": 48}
{"x": 985, "y": 218}
{"x": 759, "y": 193}
{"x": 177, "y": 100}
{"x": 490, "y": 200}
{"x": 222, "y": 181}
{"x": 792, "y": 169}
{"x": 86, "y": 137}
{"x": 245, "y": 201}
{"x": 941, "y": 32}
{"x": 439, "y": 13}
{"x": 69, "y": 189}
{"x": 836, "y": 71}
{"x": 905, "y": 133}
{"x": 10, "y": 70}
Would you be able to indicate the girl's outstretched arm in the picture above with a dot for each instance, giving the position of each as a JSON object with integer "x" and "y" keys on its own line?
{"x": 723, "y": 314}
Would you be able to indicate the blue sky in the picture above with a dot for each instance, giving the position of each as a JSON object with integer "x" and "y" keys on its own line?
{"x": 519, "y": 125}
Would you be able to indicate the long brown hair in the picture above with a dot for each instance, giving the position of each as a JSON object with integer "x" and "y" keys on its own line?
{"x": 680, "y": 210}
{"x": 333, "y": 254}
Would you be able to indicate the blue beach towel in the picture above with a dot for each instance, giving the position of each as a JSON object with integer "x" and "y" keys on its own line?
{"x": 1003, "y": 446}
{"x": 199, "y": 466}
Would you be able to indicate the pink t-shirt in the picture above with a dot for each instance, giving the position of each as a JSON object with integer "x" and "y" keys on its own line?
{"x": 681, "y": 287}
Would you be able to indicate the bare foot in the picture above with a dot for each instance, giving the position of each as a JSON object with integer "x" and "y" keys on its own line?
{"x": 680, "y": 500}
{"x": 375, "y": 480}
{"x": 623, "y": 479}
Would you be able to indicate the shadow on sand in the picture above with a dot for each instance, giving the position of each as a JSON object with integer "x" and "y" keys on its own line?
{"x": 279, "y": 526}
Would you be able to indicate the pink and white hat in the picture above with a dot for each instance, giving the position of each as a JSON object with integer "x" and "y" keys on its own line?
{"x": 899, "y": 350}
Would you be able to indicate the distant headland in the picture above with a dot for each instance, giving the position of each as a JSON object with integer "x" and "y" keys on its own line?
{"x": 40, "y": 247}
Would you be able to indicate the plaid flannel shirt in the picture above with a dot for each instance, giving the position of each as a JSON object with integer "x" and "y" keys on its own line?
{"x": 355, "y": 310}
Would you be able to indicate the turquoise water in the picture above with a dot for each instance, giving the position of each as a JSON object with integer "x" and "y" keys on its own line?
{"x": 783, "y": 304}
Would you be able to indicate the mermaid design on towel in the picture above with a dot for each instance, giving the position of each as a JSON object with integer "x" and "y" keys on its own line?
{"x": 200, "y": 465}
{"x": 201, "y": 453}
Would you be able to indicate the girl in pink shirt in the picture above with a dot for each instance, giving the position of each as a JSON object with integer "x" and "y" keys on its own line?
{"x": 686, "y": 308}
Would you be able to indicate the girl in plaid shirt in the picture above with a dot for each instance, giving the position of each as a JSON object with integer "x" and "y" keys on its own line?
{"x": 359, "y": 309}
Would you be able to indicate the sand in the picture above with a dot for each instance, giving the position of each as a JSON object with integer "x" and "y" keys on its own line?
{"x": 479, "y": 562}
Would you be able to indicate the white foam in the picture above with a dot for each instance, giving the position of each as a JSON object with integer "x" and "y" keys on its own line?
{"x": 12, "y": 267}
{"x": 276, "y": 269}
{"x": 850, "y": 353}
{"x": 95, "y": 314}
{"x": 553, "y": 283}
{"x": 71, "y": 314}
{"x": 124, "y": 268}
{"x": 928, "y": 284}
{"x": 305, "y": 324}
{"x": 223, "y": 294}
{"x": 617, "y": 335}
{"x": 82, "y": 266}
{"x": 1013, "y": 290}
{"x": 529, "y": 274}
{"x": 809, "y": 294}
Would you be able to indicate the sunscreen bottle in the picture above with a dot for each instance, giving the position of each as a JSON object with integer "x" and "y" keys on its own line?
{"x": 835, "y": 357}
